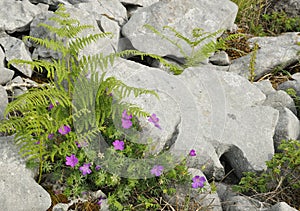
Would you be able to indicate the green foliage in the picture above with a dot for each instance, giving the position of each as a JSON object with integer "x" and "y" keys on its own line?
{"x": 35, "y": 121}
{"x": 198, "y": 37}
{"x": 40, "y": 118}
{"x": 279, "y": 22}
{"x": 254, "y": 18}
{"x": 252, "y": 63}
{"x": 281, "y": 181}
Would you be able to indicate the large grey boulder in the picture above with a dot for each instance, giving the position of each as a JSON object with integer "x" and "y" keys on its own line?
{"x": 274, "y": 52}
{"x": 230, "y": 109}
{"x": 15, "y": 49}
{"x": 109, "y": 9}
{"x": 18, "y": 189}
{"x": 15, "y": 16}
{"x": 183, "y": 15}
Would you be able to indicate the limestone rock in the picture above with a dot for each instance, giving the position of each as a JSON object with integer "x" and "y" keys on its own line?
{"x": 183, "y": 15}
{"x": 18, "y": 189}
{"x": 288, "y": 127}
{"x": 15, "y": 16}
{"x": 273, "y": 52}
{"x": 6, "y": 75}
{"x": 15, "y": 49}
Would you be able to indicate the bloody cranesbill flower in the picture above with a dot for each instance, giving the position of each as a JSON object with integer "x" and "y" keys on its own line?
{"x": 126, "y": 120}
{"x": 192, "y": 153}
{"x": 198, "y": 182}
{"x": 154, "y": 120}
{"x": 157, "y": 170}
{"x": 71, "y": 161}
{"x": 65, "y": 129}
{"x": 85, "y": 169}
{"x": 118, "y": 145}
{"x": 51, "y": 106}
{"x": 98, "y": 167}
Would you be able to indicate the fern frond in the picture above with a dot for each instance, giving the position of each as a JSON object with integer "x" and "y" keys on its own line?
{"x": 38, "y": 65}
{"x": 55, "y": 45}
{"x": 166, "y": 38}
{"x": 39, "y": 97}
{"x": 80, "y": 43}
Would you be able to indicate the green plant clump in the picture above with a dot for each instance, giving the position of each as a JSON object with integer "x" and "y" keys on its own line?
{"x": 254, "y": 18}
{"x": 59, "y": 125}
{"x": 281, "y": 181}
{"x": 197, "y": 38}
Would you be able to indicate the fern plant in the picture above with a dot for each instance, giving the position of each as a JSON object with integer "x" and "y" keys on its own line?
{"x": 197, "y": 37}
{"x": 45, "y": 113}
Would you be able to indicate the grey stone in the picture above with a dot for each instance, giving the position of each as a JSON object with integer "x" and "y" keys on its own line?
{"x": 6, "y": 75}
{"x": 3, "y": 101}
{"x": 183, "y": 15}
{"x": 281, "y": 206}
{"x": 104, "y": 45}
{"x": 15, "y": 16}
{"x": 265, "y": 86}
{"x": 229, "y": 110}
{"x": 274, "y": 52}
{"x": 19, "y": 191}
{"x": 288, "y": 127}
{"x": 291, "y": 7}
{"x": 242, "y": 203}
{"x": 15, "y": 49}
{"x": 279, "y": 100}
{"x": 110, "y": 9}
{"x": 17, "y": 90}
{"x": 205, "y": 200}
{"x": 290, "y": 85}
{"x": 220, "y": 58}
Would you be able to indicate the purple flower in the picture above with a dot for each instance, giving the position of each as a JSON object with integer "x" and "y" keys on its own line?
{"x": 50, "y": 136}
{"x": 198, "y": 182}
{"x": 98, "y": 167}
{"x": 51, "y": 106}
{"x": 38, "y": 142}
{"x": 85, "y": 169}
{"x": 157, "y": 170}
{"x": 71, "y": 161}
{"x": 154, "y": 120}
{"x": 118, "y": 145}
{"x": 126, "y": 120}
{"x": 65, "y": 129}
{"x": 192, "y": 153}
